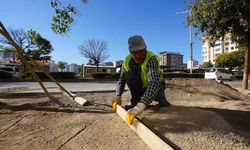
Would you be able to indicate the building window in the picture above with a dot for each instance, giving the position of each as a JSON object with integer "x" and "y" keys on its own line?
{"x": 217, "y": 49}
{"x": 217, "y": 44}
{"x": 232, "y": 48}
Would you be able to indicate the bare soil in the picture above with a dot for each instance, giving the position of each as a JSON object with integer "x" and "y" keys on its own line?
{"x": 204, "y": 114}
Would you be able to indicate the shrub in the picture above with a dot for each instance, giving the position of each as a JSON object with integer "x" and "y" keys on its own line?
{"x": 5, "y": 75}
{"x": 116, "y": 76}
{"x": 102, "y": 75}
{"x": 57, "y": 75}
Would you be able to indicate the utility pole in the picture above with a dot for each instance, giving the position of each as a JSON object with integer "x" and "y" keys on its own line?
{"x": 191, "y": 41}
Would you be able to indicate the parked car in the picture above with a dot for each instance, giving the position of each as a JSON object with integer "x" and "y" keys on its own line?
{"x": 13, "y": 70}
{"x": 218, "y": 74}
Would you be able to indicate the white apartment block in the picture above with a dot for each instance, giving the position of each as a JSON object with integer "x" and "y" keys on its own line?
{"x": 210, "y": 53}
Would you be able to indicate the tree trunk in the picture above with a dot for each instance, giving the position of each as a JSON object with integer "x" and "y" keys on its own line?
{"x": 97, "y": 67}
{"x": 246, "y": 65}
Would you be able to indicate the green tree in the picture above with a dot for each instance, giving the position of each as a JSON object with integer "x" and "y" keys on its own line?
{"x": 236, "y": 59}
{"x": 64, "y": 16}
{"x": 230, "y": 60}
{"x": 223, "y": 60}
{"x": 215, "y": 18}
{"x": 90, "y": 62}
{"x": 207, "y": 65}
{"x": 95, "y": 51}
{"x": 20, "y": 36}
{"x": 61, "y": 65}
{"x": 39, "y": 48}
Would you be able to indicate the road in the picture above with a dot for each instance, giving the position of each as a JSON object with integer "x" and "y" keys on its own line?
{"x": 34, "y": 87}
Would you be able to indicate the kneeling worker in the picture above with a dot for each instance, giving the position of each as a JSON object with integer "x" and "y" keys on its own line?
{"x": 141, "y": 71}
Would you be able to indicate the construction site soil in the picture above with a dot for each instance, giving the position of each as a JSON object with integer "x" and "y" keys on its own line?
{"x": 204, "y": 114}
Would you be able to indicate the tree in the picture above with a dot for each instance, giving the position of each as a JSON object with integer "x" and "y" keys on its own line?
{"x": 206, "y": 65}
{"x": 61, "y": 65}
{"x": 90, "y": 62}
{"x": 39, "y": 48}
{"x": 31, "y": 41}
{"x": 63, "y": 18}
{"x": 230, "y": 60}
{"x": 95, "y": 51}
{"x": 222, "y": 60}
{"x": 20, "y": 36}
{"x": 215, "y": 18}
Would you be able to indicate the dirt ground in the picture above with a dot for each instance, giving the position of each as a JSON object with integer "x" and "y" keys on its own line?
{"x": 204, "y": 114}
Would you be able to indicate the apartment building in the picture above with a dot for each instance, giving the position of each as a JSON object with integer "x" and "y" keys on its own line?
{"x": 171, "y": 60}
{"x": 210, "y": 53}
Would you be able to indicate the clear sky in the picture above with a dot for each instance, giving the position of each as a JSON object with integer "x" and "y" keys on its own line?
{"x": 112, "y": 21}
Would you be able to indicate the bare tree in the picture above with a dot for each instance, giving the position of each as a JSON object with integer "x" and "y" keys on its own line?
{"x": 19, "y": 35}
{"x": 95, "y": 50}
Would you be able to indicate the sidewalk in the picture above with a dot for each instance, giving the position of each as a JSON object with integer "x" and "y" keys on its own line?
{"x": 34, "y": 87}
{"x": 238, "y": 86}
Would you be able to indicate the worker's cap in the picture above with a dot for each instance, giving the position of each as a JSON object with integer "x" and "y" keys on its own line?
{"x": 136, "y": 43}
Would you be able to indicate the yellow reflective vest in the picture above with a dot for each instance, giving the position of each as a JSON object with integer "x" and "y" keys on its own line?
{"x": 144, "y": 72}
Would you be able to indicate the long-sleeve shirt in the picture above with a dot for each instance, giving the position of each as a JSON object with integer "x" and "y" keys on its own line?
{"x": 153, "y": 80}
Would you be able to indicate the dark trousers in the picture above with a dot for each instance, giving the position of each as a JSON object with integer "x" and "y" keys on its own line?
{"x": 134, "y": 82}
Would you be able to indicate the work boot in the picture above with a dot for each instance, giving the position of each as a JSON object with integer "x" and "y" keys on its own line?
{"x": 164, "y": 103}
{"x": 129, "y": 106}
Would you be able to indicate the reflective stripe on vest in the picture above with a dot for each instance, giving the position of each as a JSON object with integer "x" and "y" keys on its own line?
{"x": 144, "y": 72}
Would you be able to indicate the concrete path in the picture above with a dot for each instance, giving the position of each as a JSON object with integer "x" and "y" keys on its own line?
{"x": 34, "y": 87}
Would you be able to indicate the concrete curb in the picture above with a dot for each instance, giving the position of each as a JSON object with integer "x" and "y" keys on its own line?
{"x": 55, "y": 93}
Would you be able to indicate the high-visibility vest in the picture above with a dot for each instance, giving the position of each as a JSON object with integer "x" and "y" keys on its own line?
{"x": 144, "y": 72}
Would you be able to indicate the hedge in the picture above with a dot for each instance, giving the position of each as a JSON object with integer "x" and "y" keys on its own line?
{"x": 57, "y": 75}
{"x": 106, "y": 75}
{"x": 5, "y": 75}
{"x": 165, "y": 75}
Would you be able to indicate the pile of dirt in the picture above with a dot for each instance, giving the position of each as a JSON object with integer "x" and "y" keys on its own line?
{"x": 205, "y": 93}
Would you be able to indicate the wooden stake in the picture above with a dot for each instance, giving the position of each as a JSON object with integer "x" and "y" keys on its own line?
{"x": 148, "y": 136}
{"x": 24, "y": 55}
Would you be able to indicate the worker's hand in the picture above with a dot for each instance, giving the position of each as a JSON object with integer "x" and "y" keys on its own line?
{"x": 116, "y": 101}
{"x": 133, "y": 112}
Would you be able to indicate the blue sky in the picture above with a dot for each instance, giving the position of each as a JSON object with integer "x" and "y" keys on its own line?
{"x": 113, "y": 21}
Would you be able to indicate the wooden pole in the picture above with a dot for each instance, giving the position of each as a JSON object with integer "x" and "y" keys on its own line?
{"x": 22, "y": 53}
{"x": 4, "y": 32}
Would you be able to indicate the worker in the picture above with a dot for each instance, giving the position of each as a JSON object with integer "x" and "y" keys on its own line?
{"x": 141, "y": 71}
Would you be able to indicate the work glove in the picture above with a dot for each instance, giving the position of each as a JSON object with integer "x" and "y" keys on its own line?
{"x": 116, "y": 101}
{"x": 133, "y": 112}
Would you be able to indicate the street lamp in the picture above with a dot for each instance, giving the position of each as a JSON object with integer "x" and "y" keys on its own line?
{"x": 191, "y": 43}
